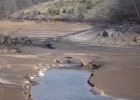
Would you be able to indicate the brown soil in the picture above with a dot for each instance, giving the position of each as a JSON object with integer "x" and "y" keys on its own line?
{"x": 119, "y": 75}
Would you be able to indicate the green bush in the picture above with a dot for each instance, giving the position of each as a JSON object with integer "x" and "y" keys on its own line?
{"x": 71, "y": 11}
{"x": 64, "y": 11}
{"x": 50, "y": 11}
{"x": 39, "y": 13}
{"x": 56, "y": 12}
{"x": 89, "y": 4}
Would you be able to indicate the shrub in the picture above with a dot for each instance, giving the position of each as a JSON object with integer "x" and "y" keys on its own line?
{"x": 39, "y": 13}
{"x": 50, "y": 11}
{"x": 71, "y": 11}
{"x": 56, "y": 12}
{"x": 64, "y": 11}
{"x": 89, "y": 4}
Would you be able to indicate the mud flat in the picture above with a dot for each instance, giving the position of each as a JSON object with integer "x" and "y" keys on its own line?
{"x": 118, "y": 75}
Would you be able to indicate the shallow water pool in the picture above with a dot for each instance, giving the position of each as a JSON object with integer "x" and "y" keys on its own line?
{"x": 64, "y": 84}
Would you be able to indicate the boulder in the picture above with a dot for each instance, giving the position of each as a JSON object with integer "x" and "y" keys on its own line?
{"x": 104, "y": 34}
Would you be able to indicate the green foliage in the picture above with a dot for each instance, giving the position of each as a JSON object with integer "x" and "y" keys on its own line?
{"x": 43, "y": 13}
{"x": 50, "y": 11}
{"x": 89, "y": 4}
{"x": 71, "y": 11}
{"x": 64, "y": 11}
{"x": 40, "y": 13}
{"x": 98, "y": 2}
{"x": 54, "y": 11}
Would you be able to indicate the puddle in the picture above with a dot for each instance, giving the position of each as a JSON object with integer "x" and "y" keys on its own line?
{"x": 64, "y": 84}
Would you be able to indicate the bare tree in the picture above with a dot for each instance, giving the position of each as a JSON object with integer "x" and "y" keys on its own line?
{"x": 136, "y": 7}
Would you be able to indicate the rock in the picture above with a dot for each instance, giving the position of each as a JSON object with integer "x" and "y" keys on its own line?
{"x": 48, "y": 45}
{"x": 28, "y": 42}
{"x": 70, "y": 62}
{"x": 136, "y": 39}
{"x": 5, "y": 40}
{"x": 92, "y": 85}
{"x": 15, "y": 50}
{"x": 4, "y": 50}
{"x": 104, "y": 34}
{"x": 135, "y": 29}
{"x": 95, "y": 66}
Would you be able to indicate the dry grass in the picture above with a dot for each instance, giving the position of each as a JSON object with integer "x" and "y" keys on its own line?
{"x": 43, "y": 25}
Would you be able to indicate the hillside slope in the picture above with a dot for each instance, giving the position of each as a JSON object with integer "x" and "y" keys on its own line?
{"x": 81, "y": 10}
{"x": 9, "y": 6}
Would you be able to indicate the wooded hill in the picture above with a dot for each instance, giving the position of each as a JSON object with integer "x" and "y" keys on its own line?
{"x": 10, "y": 6}
{"x": 71, "y": 10}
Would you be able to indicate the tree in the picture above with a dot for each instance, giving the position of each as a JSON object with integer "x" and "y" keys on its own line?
{"x": 136, "y": 7}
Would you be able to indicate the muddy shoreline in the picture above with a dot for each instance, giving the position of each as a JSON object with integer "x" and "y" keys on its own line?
{"x": 20, "y": 61}
{"x": 84, "y": 57}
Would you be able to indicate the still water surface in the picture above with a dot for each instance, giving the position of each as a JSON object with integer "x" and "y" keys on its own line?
{"x": 64, "y": 84}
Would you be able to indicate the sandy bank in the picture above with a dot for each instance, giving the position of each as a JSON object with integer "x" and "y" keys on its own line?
{"x": 119, "y": 78}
